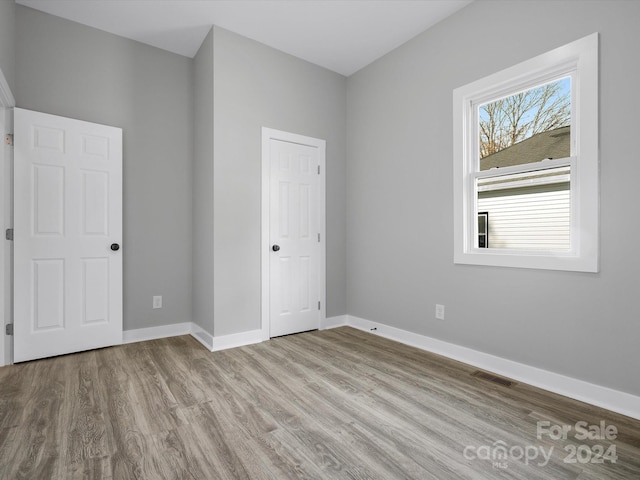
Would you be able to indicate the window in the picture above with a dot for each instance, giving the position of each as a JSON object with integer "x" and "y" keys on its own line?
{"x": 526, "y": 157}
{"x": 483, "y": 229}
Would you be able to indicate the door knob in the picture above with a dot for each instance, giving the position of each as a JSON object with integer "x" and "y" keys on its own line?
{"x": 275, "y": 248}
{"x": 115, "y": 247}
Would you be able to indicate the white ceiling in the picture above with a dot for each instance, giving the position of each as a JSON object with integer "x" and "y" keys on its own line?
{"x": 341, "y": 35}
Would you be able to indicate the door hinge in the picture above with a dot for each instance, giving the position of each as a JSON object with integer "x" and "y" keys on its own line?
{"x": 318, "y": 305}
{"x": 8, "y": 139}
{"x": 8, "y": 234}
{"x": 318, "y": 237}
{"x": 318, "y": 169}
{"x": 8, "y": 329}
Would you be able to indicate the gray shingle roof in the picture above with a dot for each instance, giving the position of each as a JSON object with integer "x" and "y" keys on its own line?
{"x": 551, "y": 144}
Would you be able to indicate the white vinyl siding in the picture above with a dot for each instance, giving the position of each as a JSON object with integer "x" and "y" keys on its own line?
{"x": 529, "y": 218}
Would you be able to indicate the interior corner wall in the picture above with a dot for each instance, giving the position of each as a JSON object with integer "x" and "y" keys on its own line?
{"x": 68, "y": 69}
{"x": 257, "y": 86}
{"x": 7, "y": 41}
{"x": 203, "y": 262}
{"x": 400, "y": 196}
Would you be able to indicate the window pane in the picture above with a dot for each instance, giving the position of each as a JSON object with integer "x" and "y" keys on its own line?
{"x": 528, "y": 211}
{"x": 482, "y": 223}
{"x": 483, "y": 220}
{"x": 526, "y": 127}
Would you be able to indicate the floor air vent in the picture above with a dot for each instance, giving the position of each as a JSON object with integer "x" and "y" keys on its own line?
{"x": 493, "y": 378}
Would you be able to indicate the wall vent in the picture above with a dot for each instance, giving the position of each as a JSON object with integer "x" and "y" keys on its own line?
{"x": 493, "y": 378}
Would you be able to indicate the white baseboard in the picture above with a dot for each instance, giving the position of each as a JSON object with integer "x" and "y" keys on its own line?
{"x": 236, "y": 340}
{"x": 201, "y": 335}
{"x": 153, "y": 333}
{"x": 604, "y": 397}
{"x": 188, "y": 328}
{"x": 333, "y": 322}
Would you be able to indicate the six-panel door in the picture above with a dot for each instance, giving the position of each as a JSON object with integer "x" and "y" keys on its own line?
{"x": 294, "y": 223}
{"x": 67, "y": 216}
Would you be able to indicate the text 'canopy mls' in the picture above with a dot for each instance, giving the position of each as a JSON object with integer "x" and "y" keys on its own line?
{"x": 543, "y": 112}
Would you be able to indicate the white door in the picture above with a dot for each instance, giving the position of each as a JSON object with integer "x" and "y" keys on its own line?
{"x": 67, "y": 234}
{"x": 296, "y": 229}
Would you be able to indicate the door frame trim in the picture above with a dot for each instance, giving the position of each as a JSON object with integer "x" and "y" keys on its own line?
{"x": 269, "y": 134}
{"x": 7, "y": 102}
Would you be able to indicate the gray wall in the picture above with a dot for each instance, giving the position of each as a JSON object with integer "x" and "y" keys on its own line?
{"x": 399, "y": 196}
{"x": 7, "y": 37}
{"x": 203, "y": 293}
{"x": 71, "y": 70}
{"x": 256, "y": 86}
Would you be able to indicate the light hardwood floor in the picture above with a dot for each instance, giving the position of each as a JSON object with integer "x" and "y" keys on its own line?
{"x": 334, "y": 404}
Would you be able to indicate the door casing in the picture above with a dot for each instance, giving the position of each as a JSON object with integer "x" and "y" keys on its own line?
{"x": 7, "y": 102}
{"x": 269, "y": 134}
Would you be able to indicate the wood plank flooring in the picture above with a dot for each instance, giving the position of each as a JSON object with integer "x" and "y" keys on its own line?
{"x": 333, "y": 404}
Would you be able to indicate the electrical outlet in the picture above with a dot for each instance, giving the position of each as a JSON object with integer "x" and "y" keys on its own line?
{"x": 440, "y": 312}
{"x": 157, "y": 301}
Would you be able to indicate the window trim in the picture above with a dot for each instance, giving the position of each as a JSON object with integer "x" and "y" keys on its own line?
{"x": 580, "y": 60}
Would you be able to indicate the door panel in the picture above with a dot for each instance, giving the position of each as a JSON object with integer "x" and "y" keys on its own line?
{"x": 48, "y": 294}
{"x": 95, "y": 290}
{"x": 68, "y": 212}
{"x": 95, "y": 203}
{"x": 295, "y": 227}
{"x": 48, "y": 200}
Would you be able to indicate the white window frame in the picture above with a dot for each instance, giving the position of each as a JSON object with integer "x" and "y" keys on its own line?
{"x": 578, "y": 59}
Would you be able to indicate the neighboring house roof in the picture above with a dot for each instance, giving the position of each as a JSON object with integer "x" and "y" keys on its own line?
{"x": 550, "y": 144}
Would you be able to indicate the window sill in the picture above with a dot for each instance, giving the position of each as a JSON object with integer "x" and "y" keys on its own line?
{"x": 520, "y": 259}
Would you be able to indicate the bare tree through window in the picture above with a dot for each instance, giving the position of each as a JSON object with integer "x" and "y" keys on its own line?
{"x": 510, "y": 120}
